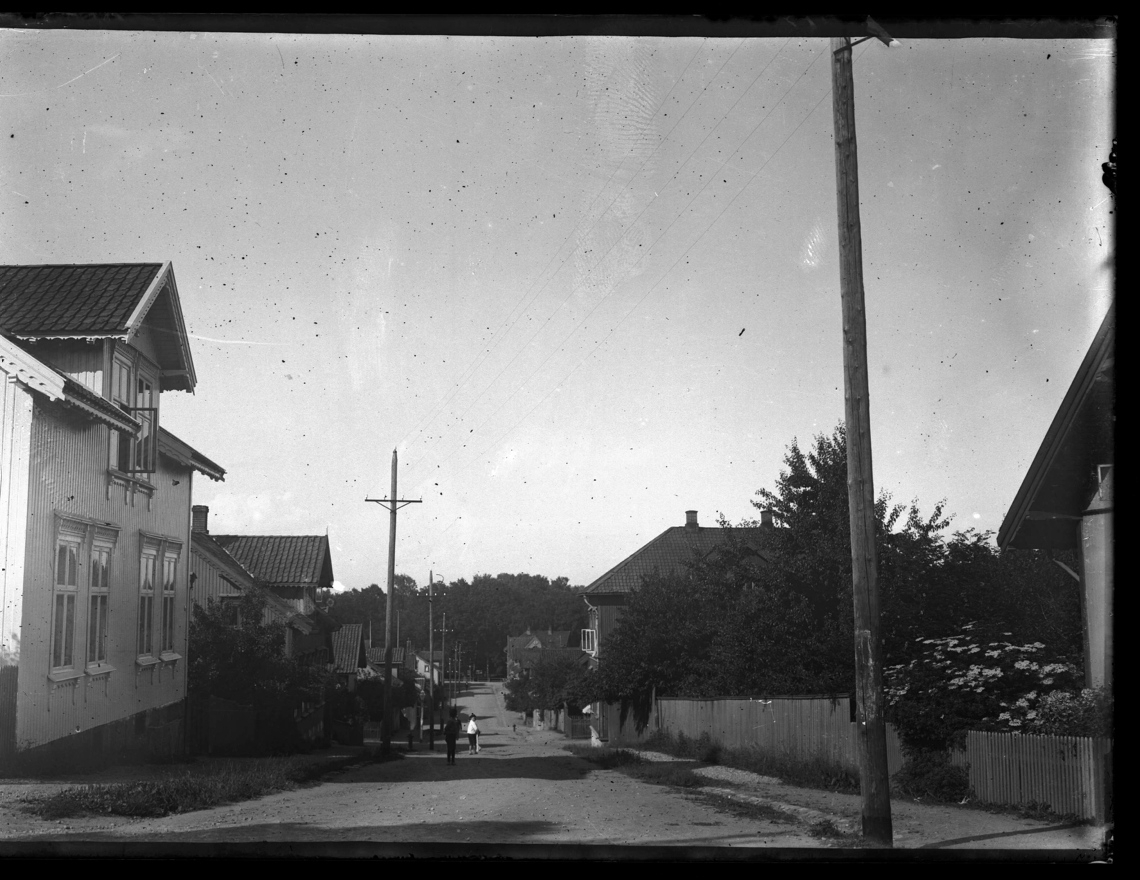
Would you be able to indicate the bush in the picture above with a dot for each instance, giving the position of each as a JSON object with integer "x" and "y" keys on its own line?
{"x": 1064, "y": 713}
{"x": 929, "y": 774}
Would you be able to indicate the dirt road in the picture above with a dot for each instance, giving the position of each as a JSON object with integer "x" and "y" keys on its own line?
{"x": 522, "y": 788}
{"x": 525, "y": 788}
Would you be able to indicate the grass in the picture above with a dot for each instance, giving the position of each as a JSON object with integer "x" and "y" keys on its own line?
{"x": 196, "y": 788}
{"x": 814, "y": 772}
{"x": 632, "y": 764}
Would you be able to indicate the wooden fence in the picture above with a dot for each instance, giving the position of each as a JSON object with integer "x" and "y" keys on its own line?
{"x": 1003, "y": 768}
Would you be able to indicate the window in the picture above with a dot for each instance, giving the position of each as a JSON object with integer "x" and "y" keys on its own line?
{"x": 169, "y": 572}
{"x": 590, "y": 641}
{"x": 67, "y": 550}
{"x": 133, "y": 391}
{"x": 100, "y": 594}
{"x": 147, "y": 572}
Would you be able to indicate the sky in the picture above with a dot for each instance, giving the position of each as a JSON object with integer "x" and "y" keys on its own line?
{"x": 579, "y": 285}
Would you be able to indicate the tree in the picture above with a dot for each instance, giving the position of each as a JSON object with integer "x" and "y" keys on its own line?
{"x": 558, "y": 677}
{"x": 234, "y": 654}
{"x": 725, "y": 627}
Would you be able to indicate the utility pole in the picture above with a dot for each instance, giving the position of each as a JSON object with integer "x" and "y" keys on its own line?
{"x": 431, "y": 664}
{"x": 393, "y": 504}
{"x": 443, "y": 660}
{"x": 872, "y": 734}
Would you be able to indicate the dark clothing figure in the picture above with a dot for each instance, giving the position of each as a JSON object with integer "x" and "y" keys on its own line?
{"x": 451, "y": 734}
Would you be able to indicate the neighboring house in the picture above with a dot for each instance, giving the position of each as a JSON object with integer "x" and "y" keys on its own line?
{"x": 668, "y": 553}
{"x": 1065, "y": 501}
{"x": 349, "y": 656}
{"x": 297, "y": 568}
{"x": 95, "y": 530}
{"x": 216, "y": 576}
{"x": 521, "y": 649}
{"x": 423, "y": 664}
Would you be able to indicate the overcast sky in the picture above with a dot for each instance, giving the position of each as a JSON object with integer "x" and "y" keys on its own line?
{"x": 581, "y": 284}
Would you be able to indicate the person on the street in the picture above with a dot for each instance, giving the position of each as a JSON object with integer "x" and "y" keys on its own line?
{"x": 472, "y": 736}
{"x": 451, "y": 734}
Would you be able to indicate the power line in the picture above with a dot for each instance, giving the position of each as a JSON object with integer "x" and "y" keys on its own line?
{"x": 645, "y": 296}
{"x": 631, "y": 226}
{"x": 661, "y": 143}
{"x": 500, "y": 334}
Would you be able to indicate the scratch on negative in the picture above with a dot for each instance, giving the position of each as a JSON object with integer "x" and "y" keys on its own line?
{"x": 69, "y": 82}
{"x": 232, "y": 341}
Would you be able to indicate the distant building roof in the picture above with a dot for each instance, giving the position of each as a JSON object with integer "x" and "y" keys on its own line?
{"x": 671, "y": 551}
{"x": 97, "y": 301}
{"x": 348, "y": 648}
{"x": 1063, "y": 477}
{"x": 283, "y": 560}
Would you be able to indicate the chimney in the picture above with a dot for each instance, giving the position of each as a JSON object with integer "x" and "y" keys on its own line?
{"x": 691, "y": 519}
{"x": 199, "y": 514}
{"x": 766, "y": 518}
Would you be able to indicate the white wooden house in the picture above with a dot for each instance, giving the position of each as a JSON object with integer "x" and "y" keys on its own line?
{"x": 95, "y": 530}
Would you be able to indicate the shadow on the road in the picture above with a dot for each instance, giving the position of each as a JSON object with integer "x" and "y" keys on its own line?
{"x": 428, "y": 766}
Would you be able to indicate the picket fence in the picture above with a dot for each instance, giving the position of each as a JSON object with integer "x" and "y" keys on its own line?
{"x": 1003, "y": 768}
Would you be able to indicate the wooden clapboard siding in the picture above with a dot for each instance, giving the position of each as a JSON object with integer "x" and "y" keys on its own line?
{"x": 69, "y": 475}
{"x": 83, "y": 363}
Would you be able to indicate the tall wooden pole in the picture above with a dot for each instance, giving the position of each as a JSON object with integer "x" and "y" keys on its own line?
{"x": 386, "y": 722}
{"x": 393, "y": 504}
{"x": 431, "y": 664}
{"x": 873, "y": 774}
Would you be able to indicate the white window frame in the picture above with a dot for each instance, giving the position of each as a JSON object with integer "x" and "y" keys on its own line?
{"x": 101, "y": 555}
{"x": 149, "y": 555}
{"x": 135, "y": 390}
{"x": 66, "y": 578}
{"x": 590, "y": 641}
{"x": 169, "y": 608}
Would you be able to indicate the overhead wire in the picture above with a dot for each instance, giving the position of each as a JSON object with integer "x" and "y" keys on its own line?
{"x": 622, "y": 237}
{"x": 505, "y": 329}
{"x": 664, "y": 275}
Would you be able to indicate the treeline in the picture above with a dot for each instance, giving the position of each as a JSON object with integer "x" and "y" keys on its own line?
{"x": 481, "y": 614}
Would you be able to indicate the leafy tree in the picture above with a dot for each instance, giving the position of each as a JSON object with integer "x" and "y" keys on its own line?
{"x": 725, "y": 626}
{"x": 246, "y": 662}
{"x": 556, "y": 678}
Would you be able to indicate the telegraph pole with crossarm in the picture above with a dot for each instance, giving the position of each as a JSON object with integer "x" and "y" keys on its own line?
{"x": 393, "y": 504}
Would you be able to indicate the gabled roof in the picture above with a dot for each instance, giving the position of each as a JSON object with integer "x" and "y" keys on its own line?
{"x": 100, "y": 301}
{"x": 348, "y": 648}
{"x": 283, "y": 560}
{"x": 1062, "y": 479}
{"x": 670, "y": 552}
{"x": 376, "y": 656}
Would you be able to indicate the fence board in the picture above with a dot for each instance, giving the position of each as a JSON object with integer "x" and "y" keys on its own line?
{"x": 1003, "y": 768}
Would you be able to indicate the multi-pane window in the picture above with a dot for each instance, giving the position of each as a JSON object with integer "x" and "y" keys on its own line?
{"x": 147, "y": 577}
{"x": 99, "y": 598}
{"x": 63, "y": 603}
{"x": 133, "y": 391}
{"x": 169, "y": 573}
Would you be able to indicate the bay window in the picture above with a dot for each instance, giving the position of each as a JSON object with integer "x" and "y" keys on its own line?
{"x": 134, "y": 390}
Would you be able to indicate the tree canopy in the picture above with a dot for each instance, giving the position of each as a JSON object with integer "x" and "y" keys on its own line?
{"x": 722, "y": 628}
{"x": 481, "y": 613}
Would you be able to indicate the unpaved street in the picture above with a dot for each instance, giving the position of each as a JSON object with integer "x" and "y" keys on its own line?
{"x": 523, "y": 788}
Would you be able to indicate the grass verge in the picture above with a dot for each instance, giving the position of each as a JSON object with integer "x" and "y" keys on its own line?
{"x": 631, "y": 764}
{"x": 196, "y": 788}
{"x": 815, "y": 772}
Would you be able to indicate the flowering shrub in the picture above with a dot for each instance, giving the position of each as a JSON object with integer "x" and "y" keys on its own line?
{"x": 972, "y": 681}
{"x": 1088, "y": 713}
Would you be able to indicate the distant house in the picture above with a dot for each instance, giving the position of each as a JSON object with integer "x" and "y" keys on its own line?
{"x": 1065, "y": 501}
{"x": 349, "y": 656}
{"x": 217, "y": 576}
{"x": 297, "y": 568}
{"x": 424, "y": 664}
{"x": 95, "y": 531}
{"x": 668, "y": 553}
{"x": 525, "y": 646}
